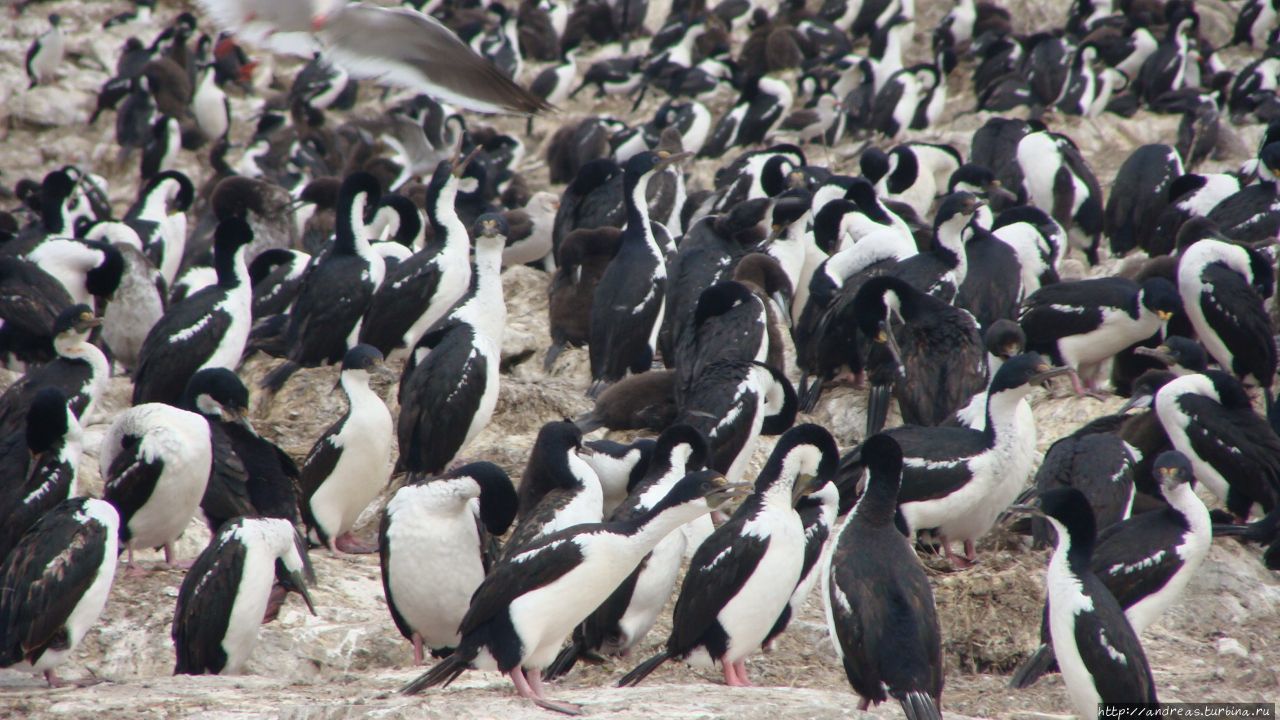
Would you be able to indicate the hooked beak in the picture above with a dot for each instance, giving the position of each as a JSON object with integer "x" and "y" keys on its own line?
{"x": 783, "y": 303}
{"x": 1047, "y": 373}
{"x": 85, "y": 324}
{"x": 239, "y": 416}
{"x": 1160, "y": 353}
{"x": 1026, "y": 510}
{"x": 461, "y": 167}
{"x": 996, "y": 191}
{"x": 666, "y": 159}
{"x": 1137, "y": 401}
{"x": 585, "y": 452}
{"x": 803, "y": 486}
{"x": 886, "y": 336}
{"x": 298, "y": 584}
{"x": 727, "y": 493}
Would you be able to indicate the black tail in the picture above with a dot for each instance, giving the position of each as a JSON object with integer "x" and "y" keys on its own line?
{"x": 278, "y": 377}
{"x": 877, "y": 408}
{"x": 564, "y": 662}
{"x": 553, "y": 353}
{"x": 918, "y": 705}
{"x": 1041, "y": 662}
{"x": 810, "y": 392}
{"x": 443, "y": 673}
{"x": 642, "y": 671}
{"x": 1261, "y": 531}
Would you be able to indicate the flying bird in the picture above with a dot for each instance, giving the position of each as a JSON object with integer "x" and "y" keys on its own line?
{"x": 398, "y": 46}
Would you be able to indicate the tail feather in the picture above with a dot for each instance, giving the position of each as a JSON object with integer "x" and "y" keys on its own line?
{"x": 918, "y": 705}
{"x": 564, "y": 662}
{"x": 644, "y": 669}
{"x": 810, "y": 392}
{"x": 440, "y": 675}
{"x": 878, "y": 408}
{"x": 1041, "y": 662}
{"x": 278, "y": 377}
{"x": 554, "y": 351}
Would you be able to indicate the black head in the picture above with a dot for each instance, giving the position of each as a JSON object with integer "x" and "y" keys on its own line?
{"x": 490, "y": 225}
{"x": 1070, "y": 508}
{"x": 1004, "y": 338}
{"x": 1195, "y": 229}
{"x": 1145, "y": 387}
{"x": 957, "y": 205}
{"x": 720, "y": 299}
{"x": 878, "y": 300}
{"x": 874, "y": 164}
{"x": 362, "y": 357}
{"x": 77, "y": 320}
{"x": 103, "y": 280}
{"x": 354, "y": 186}
{"x": 646, "y": 163}
{"x": 269, "y": 260}
{"x": 594, "y": 174}
{"x": 55, "y": 189}
{"x": 789, "y": 207}
{"x": 1161, "y": 297}
{"x": 186, "y": 190}
{"x": 1269, "y": 158}
{"x": 497, "y": 494}
{"x": 55, "y": 19}
{"x": 1177, "y": 351}
{"x": 785, "y": 417}
{"x": 1023, "y": 371}
{"x": 47, "y": 421}
{"x": 410, "y": 219}
{"x": 826, "y": 224}
{"x": 675, "y": 437}
{"x": 808, "y": 454}
{"x": 861, "y": 192}
{"x": 883, "y": 459}
{"x": 1172, "y": 469}
{"x": 232, "y": 234}
{"x": 773, "y": 175}
{"x": 697, "y": 487}
{"x": 216, "y": 393}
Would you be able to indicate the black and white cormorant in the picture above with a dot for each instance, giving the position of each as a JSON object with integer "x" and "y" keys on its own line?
{"x": 880, "y": 609}
{"x": 1140, "y": 193}
{"x": 276, "y": 276}
{"x": 206, "y": 330}
{"x": 155, "y": 464}
{"x": 44, "y": 55}
{"x": 1101, "y": 658}
{"x": 1003, "y": 339}
{"x": 30, "y": 301}
{"x": 1081, "y": 324}
{"x": 760, "y": 108}
{"x": 623, "y": 620}
{"x": 1224, "y": 287}
{"x": 226, "y": 595}
{"x": 420, "y": 290}
{"x": 626, "y": 312}
{"x": 57, "y": 578}
{"x": 1253, "y": 213}
{"x": 350, "y": 464}
{"x": 79, "y": 372}
{"x": 40, "y": 462}
{"x": 434, "y": 544}
{"x": 1059, "y": 181}
{"x": 1145, "y": 561}
{"x": 87, "y": 269}
{"x": 940, "y": 358}
{"x": 159, "y": 217}
{"x": 531, "y": 601}
{"x": 558, "y": 488}
{"x": 741, "y": 578}
{"x": 325, "y": 320}
{"x": 449, "y": 386}
{"x": 956, "y": 481}
{"x": 732, "y": 404}
{"x": 618, "y": 465}
{"x": 1234, "y": 451}
{"x": 1098, "y": 464}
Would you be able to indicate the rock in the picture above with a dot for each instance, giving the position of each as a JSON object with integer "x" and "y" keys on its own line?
{"x": 50, "y": 106}
{"x": 1231, "y": 646}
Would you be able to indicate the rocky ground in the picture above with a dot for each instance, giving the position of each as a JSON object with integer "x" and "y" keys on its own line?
{"x": 1221, "y": 643}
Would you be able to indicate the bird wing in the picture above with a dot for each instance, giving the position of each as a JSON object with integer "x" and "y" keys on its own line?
{"x": 1113, "y": 655}
{"x": 44, "y": 578}
{"x": 227, "y": 494}
{"x": 720, "y": 567}
{"x": 1236, "y": 313}
{"x": 542, "y": 563}
{"x": 936, "y": 461}
{"x": 319, "y": 463}
{"x": 204, "y": 605}
{"x": 1240, "y": 445}
{"x": 130, "y": 479}
{"x": 1136, "y": 557}
{"x": 279, "y": 25}
{"x": 407, "y": 48}
{"x": 431, "y": 434}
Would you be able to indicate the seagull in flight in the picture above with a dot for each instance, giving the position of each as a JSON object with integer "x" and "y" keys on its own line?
{"x": 394, "y": 45}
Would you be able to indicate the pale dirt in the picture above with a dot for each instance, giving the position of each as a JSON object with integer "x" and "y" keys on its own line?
{"x": 348, "y": 661}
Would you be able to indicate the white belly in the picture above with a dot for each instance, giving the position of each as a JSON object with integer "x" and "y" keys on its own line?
{"x": 652, "y": 590}
{"x": 359, "y": 476}
{"x": 227, "y": 354}
{"x": 248, "y": 609}
{"x": 752, "y": 613}
{"x": 433, "y": 570}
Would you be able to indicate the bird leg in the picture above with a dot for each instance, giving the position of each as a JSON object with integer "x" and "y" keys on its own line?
{"x": 970, "y": 552}
{"x": 529, "y": 685}
{"x": 1082, "y": 389}
{"x": 130, "y": 568}
{"x": 51, "y": 677}
{"x": 170, "y": 553}
{"x": 957, "y": 562}
{"x": 417, "y": 649}
{"x": 740, "y": 668}
{"x": 348, "y": 543}
{"x": 864, "y": 705}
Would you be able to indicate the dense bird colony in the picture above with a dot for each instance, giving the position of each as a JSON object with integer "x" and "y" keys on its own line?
{"x": 757, "y": 358}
